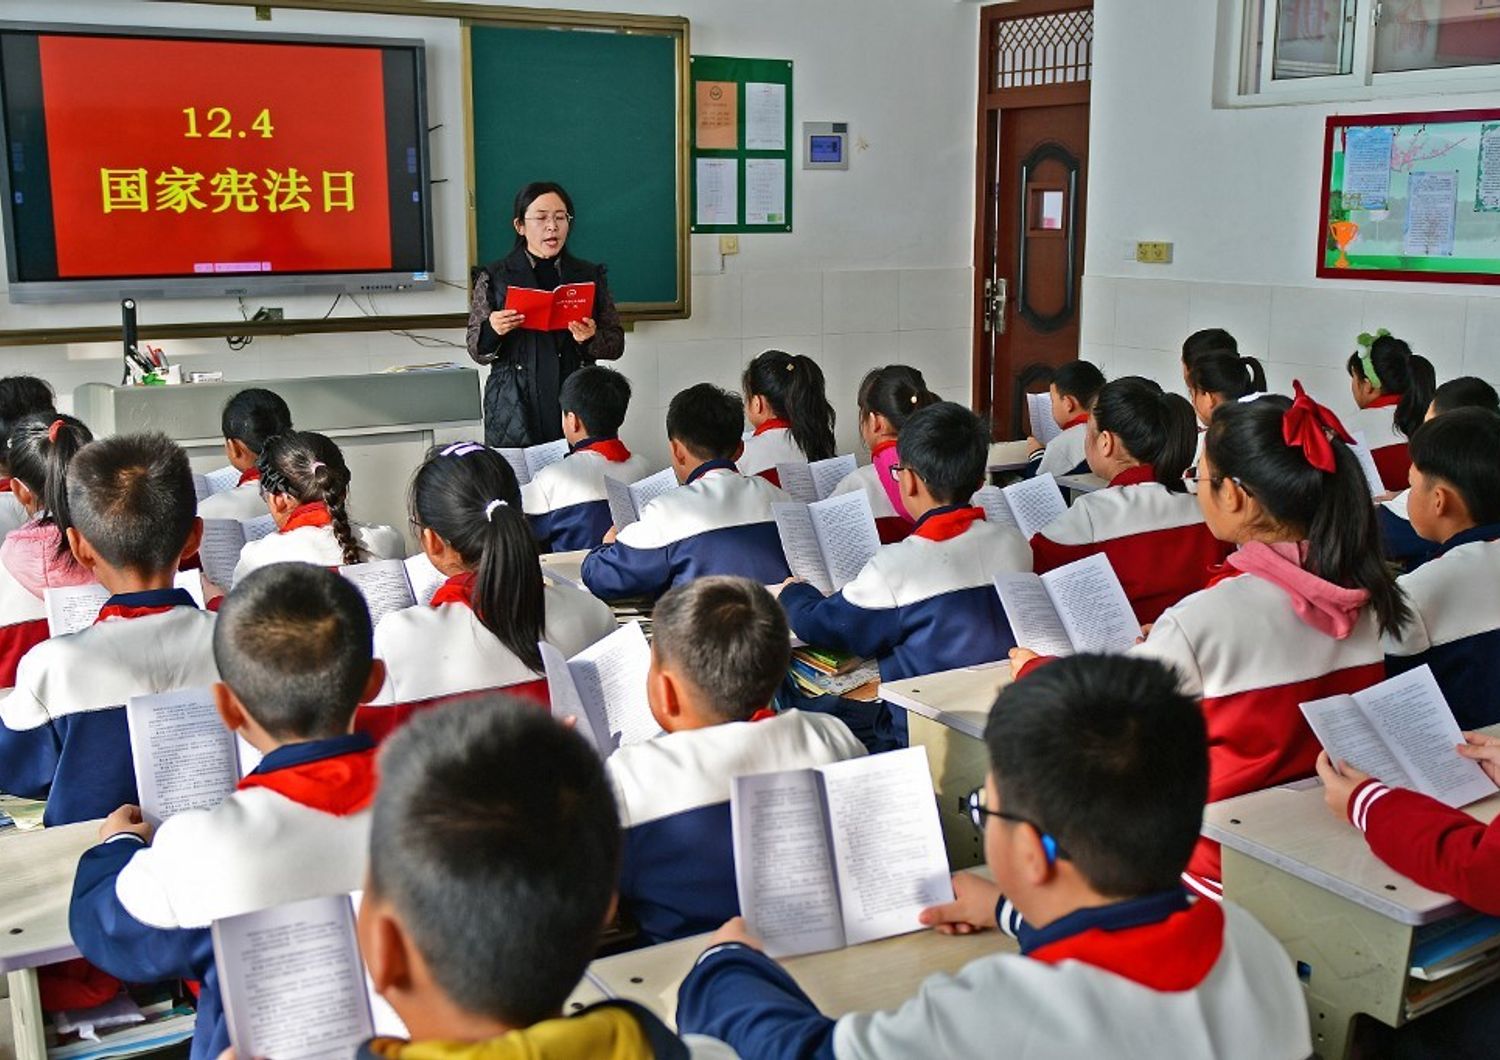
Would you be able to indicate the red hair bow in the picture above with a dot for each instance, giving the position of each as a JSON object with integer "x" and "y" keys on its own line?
{"x": 1312, "y": 428}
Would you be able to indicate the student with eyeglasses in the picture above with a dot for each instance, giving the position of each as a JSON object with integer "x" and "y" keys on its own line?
{"x": 528, "y": 365}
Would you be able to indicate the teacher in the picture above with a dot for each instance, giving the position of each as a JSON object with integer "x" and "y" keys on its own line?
{"x": 528, "y": 365}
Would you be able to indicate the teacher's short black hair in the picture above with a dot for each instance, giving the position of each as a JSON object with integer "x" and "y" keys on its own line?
{"x": 1105, "y": 754}
{"x": 947, "y": 447}
{"x": 708, "y": 421}
{"x": 597, "y": 396}
{"x": 496, "y": 840}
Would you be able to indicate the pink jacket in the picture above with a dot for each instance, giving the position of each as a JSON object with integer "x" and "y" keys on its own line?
{"x": 29, "y": 553}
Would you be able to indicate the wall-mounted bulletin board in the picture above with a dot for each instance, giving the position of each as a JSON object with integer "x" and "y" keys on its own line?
{"x": 1411, "y": 196}
{"x": 742, "y": 144}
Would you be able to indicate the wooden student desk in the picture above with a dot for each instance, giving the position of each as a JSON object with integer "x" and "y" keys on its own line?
{"x": 866, "y": 978}
{"x": 1346, "y": 918}
{"x": 36, "y": 887}
{"x": 946, "y": 713}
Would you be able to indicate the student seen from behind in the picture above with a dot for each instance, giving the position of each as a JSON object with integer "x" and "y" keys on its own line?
{"x": 718, "y": 522}
{"x": 492, "y": 874}
{"x": 20, "y": 396}
{"x": 888, "y": 397}
{"x": 293, "y": 648}
{"x": 250, "y": 419}
{"x": 1090, "y": 809}
{"x": 132, "y": 518}
{"x": 566, "y": 502}
{"x": 786, "y": 403}
{"x": 1392, "y": 387}
{"x": 1073, "y": 389}
{"x": 719, "y": 650}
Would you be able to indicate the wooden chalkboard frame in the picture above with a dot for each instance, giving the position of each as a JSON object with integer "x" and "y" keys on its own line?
{"x": 436, "y": 9}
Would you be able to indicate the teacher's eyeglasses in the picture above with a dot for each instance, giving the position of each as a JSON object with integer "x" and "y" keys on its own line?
{"x": 560, "y": 219}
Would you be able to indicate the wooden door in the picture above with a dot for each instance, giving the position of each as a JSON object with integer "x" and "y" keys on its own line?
{"x": 1035, "y": 62}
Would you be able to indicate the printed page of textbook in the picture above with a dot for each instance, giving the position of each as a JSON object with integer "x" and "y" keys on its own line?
{"x": 783, "y": 862}
{"x": 384, "y": 585}
{"x": 184, "y": 756}
{"x": 827, "y": 474}
{"x": 1411, "y": 714}
{"x": 1035, "y": 502}
{"x": 1347, "y": 735}
{"x": 799, "y": 544}
{"x": 1034, "y": 621}
{"x": 1044, "y": 426}
{"x": 566, "y": 702}
{"x": 612, "y": 673}
{"x": 847, "y": 537}
{"x": 71, "y": 608}
{"x": 1093, "y": 606}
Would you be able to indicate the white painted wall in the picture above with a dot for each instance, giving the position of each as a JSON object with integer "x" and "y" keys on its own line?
{"x": 1236, "y": 191}
{"x": 878, "y": 268}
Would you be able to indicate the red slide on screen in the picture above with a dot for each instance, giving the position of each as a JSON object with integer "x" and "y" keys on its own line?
{"x": 183, "y": 157}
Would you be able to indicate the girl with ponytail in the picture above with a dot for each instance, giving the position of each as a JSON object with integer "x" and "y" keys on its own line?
{"x": 1216, "y": 377}
{"x": 1393, "y": 388}
{"x": 1299, "y": 609}
{"x": 887, "y": 398}
{"x": 482, "y": 627}
{"x": 305, "y": 481}
{"x": 1140, "y": 440}
{"x": 788, "y": 411}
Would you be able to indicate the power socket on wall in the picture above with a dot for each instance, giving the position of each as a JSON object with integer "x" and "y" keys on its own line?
{"x": 1154, "y": 253}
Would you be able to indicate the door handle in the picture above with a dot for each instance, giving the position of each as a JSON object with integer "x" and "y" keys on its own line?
{"x": 996, "y": 296}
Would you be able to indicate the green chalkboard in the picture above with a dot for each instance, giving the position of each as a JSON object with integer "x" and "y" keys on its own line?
{"x": 601, "y": 111}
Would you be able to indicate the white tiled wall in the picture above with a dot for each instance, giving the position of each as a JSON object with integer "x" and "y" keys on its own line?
{"x": 1136, "y": 326}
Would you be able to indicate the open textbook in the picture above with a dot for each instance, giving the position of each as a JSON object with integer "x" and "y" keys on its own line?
{"x": 224, "y": 540}
{"x": 394, "y": 584}
{"x": 185, "y": 759}
{"x": 838, "y": 855}
{"x": 1080, "y": 606}
{"x": 1028, "y": 505}
{"x": 1044, "y": 426}
{"x": 604, "y": 687}
{"x": 828, "y": 542}
{"x": 626, "y": 501}
{"x": 293, "y": 983}
{"x": 70, "y": 608}
{"x": 816, "y": 481}
{"x": 526, "y": 462}
{"x": 1402, "y": 732}
{"x": 219, "y": 481}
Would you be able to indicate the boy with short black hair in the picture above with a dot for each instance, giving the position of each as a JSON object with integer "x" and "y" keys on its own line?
{"x": 250, "y": 419}
{"x": 1098, "y": 774}
{"x": 20, "y": 396}
{"x": 717, "y": 522}
{"x": 566, "y": 503}
{"x": 927, "y": 603}
{"x": 1073, "y": 389}
{"x": 293, "y": 644}
{"x": 719, "y": 650}
{"x": 492, "y": 868}
{"x": 63, "y": 735}
{"x": 1454, "y": 503}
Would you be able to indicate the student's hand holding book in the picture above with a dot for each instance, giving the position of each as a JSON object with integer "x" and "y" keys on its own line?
{"x": 1019, "y": 657}
{"x": 1484, "y": 749}
{"x": 610, "y": 535}
{"x": 1339, "y": 782}
{"x": 972, "y": 909}
{"x": 126, "y": 819}
{"x": 736, "y": 930}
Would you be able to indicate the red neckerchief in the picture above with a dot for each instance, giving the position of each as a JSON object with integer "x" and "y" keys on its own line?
{"x": 458, "y": 589}
{"x": 1081, "y": 418}
{"x": 1134, "y": 476}
{"x": 339, "y": 785}
{"x": 771, "y": 425}
{"x": 1175, "y": 954}
{"x": 1384, "y": 401}
{"x": 249, "y": 475}
{"x": 169, "y": 599}
{"x": 315, "y": 513}
{"x": 941, "y": 525}
{"x": 881, "y": 446}
{"x": 762, "y": 714}
{"x": 612, "y": 449}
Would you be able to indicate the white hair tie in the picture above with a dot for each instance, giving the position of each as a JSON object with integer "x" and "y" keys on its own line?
{"x": 313, "y": 470}
{"x": 489, "y": 509}
{"x": 462, "y": 449}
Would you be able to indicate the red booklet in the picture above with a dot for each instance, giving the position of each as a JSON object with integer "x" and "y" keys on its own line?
{"x": 551, "y": 310}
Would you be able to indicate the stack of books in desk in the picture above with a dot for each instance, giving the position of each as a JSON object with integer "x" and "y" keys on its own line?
{"x": 1450, "y": 958}
{"x": 818, "y": 672}
{"x": 148, "y": 1019}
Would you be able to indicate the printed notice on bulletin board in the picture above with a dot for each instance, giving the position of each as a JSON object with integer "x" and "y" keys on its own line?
{"x": 1412, "y": 197}
{"x": 742, "y": 144}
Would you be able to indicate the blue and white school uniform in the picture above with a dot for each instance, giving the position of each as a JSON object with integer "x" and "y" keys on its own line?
{"x": 1455, "y": 628}
{"x": 308, "y": 537}
{"x": 1149, "y": 977}
{"x": 768, "y": 445}
{"x": 297, "y": 828}
{"x": 242, "y": 502}
{"x": 718, "y": 522}
{"x": 677, "y": 872}
{"x": 920, "y": 605}
{"x": 444, "y": 649}
{"x": 63, "y": 735}
{"x": 1064, "y": 453}
{"x": 566, "y": 503}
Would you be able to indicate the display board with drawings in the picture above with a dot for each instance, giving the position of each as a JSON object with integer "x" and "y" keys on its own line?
{"x": 1411, "y": 196}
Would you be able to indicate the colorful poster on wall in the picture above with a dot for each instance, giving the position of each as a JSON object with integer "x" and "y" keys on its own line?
{"x": 742, "y": 144}
{"x": 716, "y": 121}
{"x": 1367, "y": 167}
